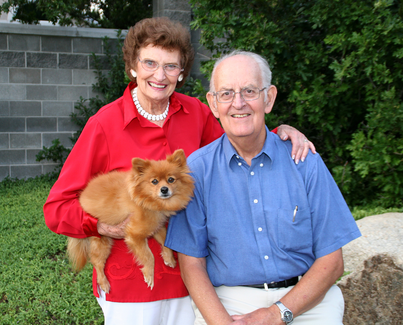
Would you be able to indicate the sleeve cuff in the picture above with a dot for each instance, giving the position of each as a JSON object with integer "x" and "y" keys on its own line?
{"x": 90, "y": 225}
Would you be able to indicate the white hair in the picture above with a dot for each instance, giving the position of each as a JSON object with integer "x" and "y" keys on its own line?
{"x": 262, "y": 63}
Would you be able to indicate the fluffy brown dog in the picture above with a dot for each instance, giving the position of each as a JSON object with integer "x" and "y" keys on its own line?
{"x": 148, "y": 194}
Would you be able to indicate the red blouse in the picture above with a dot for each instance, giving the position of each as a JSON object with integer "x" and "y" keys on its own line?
{"x": 110, "y": 139}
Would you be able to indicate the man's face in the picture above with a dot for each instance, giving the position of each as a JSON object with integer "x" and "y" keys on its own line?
{"x": 240, "y": 118}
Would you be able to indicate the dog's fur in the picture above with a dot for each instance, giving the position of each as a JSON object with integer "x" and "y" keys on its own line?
{"x": 148, "y": 194}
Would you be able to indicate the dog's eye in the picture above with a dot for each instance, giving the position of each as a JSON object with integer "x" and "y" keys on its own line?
{"x": 171, "y": 180}
{"x": 154, "y": 181}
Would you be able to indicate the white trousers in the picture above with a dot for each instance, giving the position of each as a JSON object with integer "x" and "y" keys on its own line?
{"x": 243, "y": 300}
{"x": 176, "y": 311}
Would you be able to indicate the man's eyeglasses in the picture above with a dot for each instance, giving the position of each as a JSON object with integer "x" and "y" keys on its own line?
{"x": 248, "y": 94}
{"x": 170, "y": 68}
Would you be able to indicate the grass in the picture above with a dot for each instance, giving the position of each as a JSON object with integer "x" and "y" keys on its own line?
{"x": 37, "y": 285}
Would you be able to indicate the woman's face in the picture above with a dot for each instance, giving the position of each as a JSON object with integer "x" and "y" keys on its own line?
{"x": 155, "y": 87}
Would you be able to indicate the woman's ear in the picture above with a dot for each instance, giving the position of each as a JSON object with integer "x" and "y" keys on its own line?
{"x": 271, "y": 97}
{"x": 212, "y": 103}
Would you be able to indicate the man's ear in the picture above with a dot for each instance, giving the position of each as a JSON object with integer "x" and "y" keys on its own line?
{"x": 271, "y": 97}
{"x": 212, "y": 104}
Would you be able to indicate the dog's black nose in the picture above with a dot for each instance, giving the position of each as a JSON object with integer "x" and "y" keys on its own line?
{"x": 164, "y": 190}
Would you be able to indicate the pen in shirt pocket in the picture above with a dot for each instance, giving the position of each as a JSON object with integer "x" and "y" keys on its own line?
{"x": 295, "y": 213}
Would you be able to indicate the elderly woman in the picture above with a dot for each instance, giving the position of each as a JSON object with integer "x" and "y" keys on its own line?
{"x": 149, "y": 121}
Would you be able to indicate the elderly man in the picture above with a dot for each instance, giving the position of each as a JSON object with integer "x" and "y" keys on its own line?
{"x": 261, "y": 241}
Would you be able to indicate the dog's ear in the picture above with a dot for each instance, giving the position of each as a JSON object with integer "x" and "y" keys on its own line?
{"x": 140, "y": 165}
{"x": 178, "y": 158}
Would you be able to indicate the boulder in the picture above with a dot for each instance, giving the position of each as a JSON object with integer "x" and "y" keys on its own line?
{"x": 373, "y": 290}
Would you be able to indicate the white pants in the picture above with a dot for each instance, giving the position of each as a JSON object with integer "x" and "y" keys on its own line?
{"x": 244, "y": 300}
{"x": 176, "y": 311}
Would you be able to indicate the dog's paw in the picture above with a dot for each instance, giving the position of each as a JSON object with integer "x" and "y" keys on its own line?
{"x": 150, "y": 281}
{"x": 105, "y": 286}
{"x": 168, "y": 257}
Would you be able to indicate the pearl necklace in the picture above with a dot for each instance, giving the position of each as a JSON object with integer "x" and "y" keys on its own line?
{"x": 143, "y": 113}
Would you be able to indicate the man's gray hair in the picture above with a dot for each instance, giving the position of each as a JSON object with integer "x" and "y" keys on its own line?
{"x": 262, "y": 63}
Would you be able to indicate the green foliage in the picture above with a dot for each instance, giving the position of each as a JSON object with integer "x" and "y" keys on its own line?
{"x": 111, "y": 85}
{"x": 339, "y": 72}
{"x": 37, "y": 285}
{"x": 119, "y": 14}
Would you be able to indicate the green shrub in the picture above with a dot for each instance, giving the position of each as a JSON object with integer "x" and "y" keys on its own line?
{"x": 37, "y": 285}
{"x": 339, "y": 72}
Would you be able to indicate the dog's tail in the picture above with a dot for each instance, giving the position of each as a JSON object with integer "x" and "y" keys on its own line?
{"x": 77, "y": 250}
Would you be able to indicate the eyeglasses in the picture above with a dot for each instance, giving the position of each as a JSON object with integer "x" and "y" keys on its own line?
{"x": 170, "y": 69}
{"x": 248, "y": 94}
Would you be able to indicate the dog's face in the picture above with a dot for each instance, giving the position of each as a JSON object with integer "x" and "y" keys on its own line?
{"x": 162, "y": 185}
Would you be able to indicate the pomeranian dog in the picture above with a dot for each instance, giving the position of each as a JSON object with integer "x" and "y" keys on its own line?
{"x": 148, "y": 194}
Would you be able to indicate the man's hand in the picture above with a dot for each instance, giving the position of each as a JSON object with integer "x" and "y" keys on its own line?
{"x": 117, "y": 231}
{"x": 260, "y": 316}
{"x": 300, "y": 144}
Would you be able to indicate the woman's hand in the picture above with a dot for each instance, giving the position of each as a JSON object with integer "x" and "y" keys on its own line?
{"x": 116, "y": 231}
{"x": 300, "y": 144}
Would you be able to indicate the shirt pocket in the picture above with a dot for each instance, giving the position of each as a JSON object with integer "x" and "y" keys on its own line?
{"x": 294, "y": 232}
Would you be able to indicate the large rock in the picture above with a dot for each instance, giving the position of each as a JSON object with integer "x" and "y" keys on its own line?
{"x": 373, "y": 291}
{"x": 381, "y": 234}
{"x": 374, "y": 295}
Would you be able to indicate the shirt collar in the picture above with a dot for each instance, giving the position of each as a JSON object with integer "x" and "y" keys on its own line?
{"x": 268, "y": 148}
{"x": 130, "y": 111}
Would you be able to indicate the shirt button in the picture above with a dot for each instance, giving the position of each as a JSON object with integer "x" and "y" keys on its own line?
{"x": 261, "y": 165}
{"x": 237, "y": 157}
{"x": 255, "y": 201}
{"x": 260, "y": 228}
{"x": 252, "y": 173}
{"x": 266, "y": 257}
{"x": 239, "y": 164}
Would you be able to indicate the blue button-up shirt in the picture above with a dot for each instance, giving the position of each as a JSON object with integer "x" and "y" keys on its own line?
{"x": 260, "y": 223}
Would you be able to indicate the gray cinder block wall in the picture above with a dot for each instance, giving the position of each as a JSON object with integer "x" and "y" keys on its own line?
{"x": 43, "y": 72}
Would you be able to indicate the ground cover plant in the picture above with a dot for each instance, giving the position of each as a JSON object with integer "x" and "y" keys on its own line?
{"x": 37, "y": 284}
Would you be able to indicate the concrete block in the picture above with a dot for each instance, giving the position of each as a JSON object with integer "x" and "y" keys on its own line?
{"x": 3, "y": 75}
{"x": 65, "y": 124}
{"x": 4, "y": 172}
{"x": 8, "y": 157}
{"x": 25, "y": 108}
{"x": 12, "y": 59}
{"x": 41, "y": 60}
{"x": 72, "y": 92}
{"x": 73, "y": 61}
{"x": 41, "y": 92}
{"x": 27, "y": 76}
{"x": 41, "y": 124}
{"x": 48, "y": 168}
{"x": 56, "y": 44}
{"x": 84, "y": 77}
{"x": 24, "y": 42}
{"x": 12, "y": 124}
{"x": 3, "y": 42}
{"x": 113, "y": 45}
{"x": 57, "y": 108}
{"x": 12, "y": 92}
{"x": 56, "y": 76}
{"x": 31, "y": 156}
{"x": 4, "y": 108}
{"x": 87, "y": 45}
{"x": 103, "y": 62}
{"x": 25, "y": 140}
{"x": 64, "y": 138}
{"x": 24, "y": 172}
{"x": 4, "y": 141}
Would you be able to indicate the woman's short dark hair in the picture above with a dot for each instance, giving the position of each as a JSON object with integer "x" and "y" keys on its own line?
{"x": 160, "y": 32}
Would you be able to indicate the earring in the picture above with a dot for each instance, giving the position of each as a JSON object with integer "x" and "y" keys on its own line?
{"x": 180, "y": 78}
{"x": 134, "y": 74}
